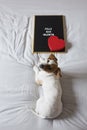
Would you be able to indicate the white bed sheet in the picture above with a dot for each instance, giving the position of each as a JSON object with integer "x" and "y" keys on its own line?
{"x": 16, "y": 101}
{"x": 14, "y": 110}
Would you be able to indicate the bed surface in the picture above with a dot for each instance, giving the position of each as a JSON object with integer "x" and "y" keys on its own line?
{"x": 17, "y": 96}
{"x": 18, "y": 91}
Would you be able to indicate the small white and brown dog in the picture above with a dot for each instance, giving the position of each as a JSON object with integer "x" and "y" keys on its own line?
{"x": 47, "y": 74}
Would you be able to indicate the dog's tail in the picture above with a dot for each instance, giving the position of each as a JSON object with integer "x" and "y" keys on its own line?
{"x": 41, "y": 116}
{"x": 35, "y": 113}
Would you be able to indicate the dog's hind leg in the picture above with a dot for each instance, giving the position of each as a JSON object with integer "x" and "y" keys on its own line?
{"x": 39, "y": 104}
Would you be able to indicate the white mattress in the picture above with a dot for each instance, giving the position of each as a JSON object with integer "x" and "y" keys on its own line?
{"x": 18, "y": 91}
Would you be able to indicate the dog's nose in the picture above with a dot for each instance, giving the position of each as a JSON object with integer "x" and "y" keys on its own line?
{"x": 41, "y": 66}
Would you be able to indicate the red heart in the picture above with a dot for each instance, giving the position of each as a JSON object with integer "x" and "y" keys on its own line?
{"x": 55, "y": 44}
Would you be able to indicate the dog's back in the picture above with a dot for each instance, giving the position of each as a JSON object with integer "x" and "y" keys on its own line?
{"x": 49, "y": 105}
{"x": 52, "y": 105}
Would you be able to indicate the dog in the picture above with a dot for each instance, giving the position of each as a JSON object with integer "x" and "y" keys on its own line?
{"x": 47, "y": 74}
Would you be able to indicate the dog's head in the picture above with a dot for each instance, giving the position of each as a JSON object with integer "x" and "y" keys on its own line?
{"x": 50, "y": 65}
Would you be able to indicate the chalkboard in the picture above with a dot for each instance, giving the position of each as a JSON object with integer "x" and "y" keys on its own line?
{"x": 45, "y": 27}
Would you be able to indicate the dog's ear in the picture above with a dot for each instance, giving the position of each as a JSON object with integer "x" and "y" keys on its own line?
{"x": 58, "y": 72}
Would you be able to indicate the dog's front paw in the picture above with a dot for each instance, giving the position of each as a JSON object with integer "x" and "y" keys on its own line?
{"x": 35, "y": 68}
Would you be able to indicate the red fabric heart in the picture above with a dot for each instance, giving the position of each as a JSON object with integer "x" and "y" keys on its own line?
{"x": 56, "y": 44}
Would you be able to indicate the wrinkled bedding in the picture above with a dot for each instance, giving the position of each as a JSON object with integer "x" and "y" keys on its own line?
{"x": 18, "y": 91}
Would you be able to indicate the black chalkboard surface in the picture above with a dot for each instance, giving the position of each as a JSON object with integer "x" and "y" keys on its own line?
{"x": 45, "y": 27}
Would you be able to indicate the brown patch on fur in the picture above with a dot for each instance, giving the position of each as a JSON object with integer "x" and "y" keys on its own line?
{"x": 52, "y": 57}
{"x": 58, "y": 72}
{"x": 50, "y": 68}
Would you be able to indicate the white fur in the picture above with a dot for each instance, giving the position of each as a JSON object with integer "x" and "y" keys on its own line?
{"x": 49, "y": 105}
